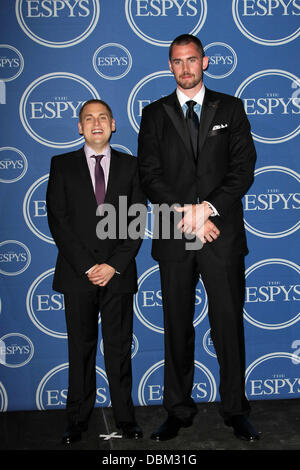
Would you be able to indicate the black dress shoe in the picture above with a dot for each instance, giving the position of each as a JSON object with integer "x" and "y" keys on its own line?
{"x": 169, "y": 429}
{"x": 71, "y": 434}
{"x": 242, "y": 428}
{"x": 131, "y": 431}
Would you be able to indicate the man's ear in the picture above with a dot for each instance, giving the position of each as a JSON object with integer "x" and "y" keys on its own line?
{"x": 205, "y": 61}
{"x": 113, "y": 125}
{"x": 80, "y": 128}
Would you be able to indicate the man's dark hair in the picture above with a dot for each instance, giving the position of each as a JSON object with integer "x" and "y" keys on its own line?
{"x": 185, "y": 39}
{"x": 95, "y": 101}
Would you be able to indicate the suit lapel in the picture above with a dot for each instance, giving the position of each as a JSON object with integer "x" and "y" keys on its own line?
{"x": 209, "y": 107}
{"x": 113, "y": 169}
{"x": 174, "y": 111}
{"x": 86, "y": 180}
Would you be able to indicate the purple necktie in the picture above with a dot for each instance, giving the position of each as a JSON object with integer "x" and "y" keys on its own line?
{"x": 99, "y": 180}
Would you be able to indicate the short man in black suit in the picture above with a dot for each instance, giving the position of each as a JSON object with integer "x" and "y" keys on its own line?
{"x": 95, "y": 273}
{"x": 206, "y": 167}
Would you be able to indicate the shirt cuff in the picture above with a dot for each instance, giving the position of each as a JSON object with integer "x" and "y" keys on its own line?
{"x": 215, "y": 212}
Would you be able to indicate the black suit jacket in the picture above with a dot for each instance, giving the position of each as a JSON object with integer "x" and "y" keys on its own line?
{"x": 71, "y": 207}
{"x": 221, "y": 174}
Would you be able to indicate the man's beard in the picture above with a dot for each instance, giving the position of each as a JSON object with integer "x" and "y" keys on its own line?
{"x": 192, "y": 82}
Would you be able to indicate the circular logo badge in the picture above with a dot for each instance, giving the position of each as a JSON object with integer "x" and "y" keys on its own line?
{"x": 112, "y": 61}
{"x": 155, "y": 22}
{"x": 46, "y": 308}
{"x": 53, "y": 388}
{"x": 134, "y": 346}
{"x": 11, "y": 63}
{"x": 3, "y": 398}
{"x": 150, "y": 390}
{"x": 15, "y": 257}
{"x": 150, "y": 88}
{"x": 272, "y": 205}
{"x": 13, "y": 165}
{"x": 222, "y": 60}
{"x": 121, "y": 148}
{"x": 272, "y": 104}
{"x": 148, "y": 301}
{"x": 50, "y": 105}
{"x": 272, "y": 294}
{"x": 35, "y": 211}
{"x": 57, "y": 23}
{"x": 270, "y": 23}
{"x": 16, "y": 350}
{"x": 273, "y": 376}
{"x": 208, "y": 344}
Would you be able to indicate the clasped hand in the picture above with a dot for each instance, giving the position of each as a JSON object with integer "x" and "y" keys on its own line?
{"x": 101, "y": 274}
{"x": 196, "y": 221}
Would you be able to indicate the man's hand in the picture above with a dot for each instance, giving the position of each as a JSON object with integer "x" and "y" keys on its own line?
{"x": 208, "y": 232}
{"x": 101, "y": 274}
{"x": 194, "y": 218}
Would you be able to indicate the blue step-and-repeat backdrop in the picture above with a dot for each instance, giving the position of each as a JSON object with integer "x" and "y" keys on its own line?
{"x": 56, "y": 54}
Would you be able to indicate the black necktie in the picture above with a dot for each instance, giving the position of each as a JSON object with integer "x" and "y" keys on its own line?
{"x": 193, "y": 125}
{"x": 99, "y": 180}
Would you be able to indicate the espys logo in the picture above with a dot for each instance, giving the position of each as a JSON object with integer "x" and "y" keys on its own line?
{"x": 134, "y": 346}
{"x": 208, "y": 344}
{"x": 150, "y": 88}
{"x": 53, "y": 388}
{"x": 150, "y": 391}
{"x": 46, "y": 308}
{"x": 16, "y": 350}
{"x": 155, "y": 21}
{"x": 35, "y": 210}
{"x": 121, "y": 148}
{"x": 3, "y": 398}
{"x": 267, "y": 22}
{"x": 50, "y": 105}
{"x": 57, "y": 23}
{"x": 112, "y": 61}
{"x": 272, "y": 294}
{"x": 13, "y": 165}
{"x": 271, "y": 208}
{"x": 15, "y": 257}
{"x": 11, "y": 63}
{"x": 222, "y": 60}
{"x": 275, "y": 375}
{"x": 271, "y": 101}
{"x": 148, "y": 301}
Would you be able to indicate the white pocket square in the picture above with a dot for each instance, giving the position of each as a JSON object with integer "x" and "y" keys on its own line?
{"x": 219, "y": 126}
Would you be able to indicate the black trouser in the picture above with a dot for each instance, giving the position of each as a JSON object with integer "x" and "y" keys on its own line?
{"x": 82, "y": 312}
{"x": 225, "y": 285}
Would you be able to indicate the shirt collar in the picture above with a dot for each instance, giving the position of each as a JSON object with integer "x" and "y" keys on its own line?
{"x": 89, "y": 152}
{"x": 182, "y": 98}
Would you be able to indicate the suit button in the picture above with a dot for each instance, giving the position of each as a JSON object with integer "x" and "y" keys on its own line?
{"x": 96, "y": 251}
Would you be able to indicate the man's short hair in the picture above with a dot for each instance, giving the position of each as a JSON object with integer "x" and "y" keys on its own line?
{"x": 95, "y": 101}
{"x": 185, "y": 39}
